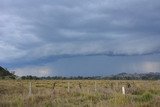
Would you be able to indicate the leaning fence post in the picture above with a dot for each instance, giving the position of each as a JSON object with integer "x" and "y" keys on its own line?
{"x": 68, "y": 87}
{"x": 30, "y": 89}
{"x": 123, "y": 90}
{"x": 95, "y": 86}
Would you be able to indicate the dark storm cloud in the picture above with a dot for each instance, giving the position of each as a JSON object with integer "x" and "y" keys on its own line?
{"x": 32, "y": 30}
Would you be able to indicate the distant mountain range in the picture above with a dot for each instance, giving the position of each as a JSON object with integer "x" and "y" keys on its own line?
{"x": 4, "y": 73}
{"x": 120, "y": 76}
{"x": 136, "y": 76}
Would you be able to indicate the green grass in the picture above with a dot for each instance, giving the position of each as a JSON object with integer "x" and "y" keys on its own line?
{"x": 14, "y": 93}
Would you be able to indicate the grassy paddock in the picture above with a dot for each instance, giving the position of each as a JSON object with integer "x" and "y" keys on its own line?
{"x": 79, "y": 93}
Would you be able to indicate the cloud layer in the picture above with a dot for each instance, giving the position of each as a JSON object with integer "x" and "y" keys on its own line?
{"x": 78, "y": 27}
{"x": 34, "y": 30}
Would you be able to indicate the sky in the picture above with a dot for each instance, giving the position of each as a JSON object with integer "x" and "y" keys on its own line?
{"x": 79, "y": 37}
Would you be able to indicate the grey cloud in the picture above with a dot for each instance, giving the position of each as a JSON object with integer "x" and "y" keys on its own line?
{"x": 35, "y": 29}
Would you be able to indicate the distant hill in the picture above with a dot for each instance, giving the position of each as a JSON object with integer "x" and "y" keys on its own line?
{"x": 120, "y": 76}
{"x": 4, "y": 73}
{"x": 136, "y": 76}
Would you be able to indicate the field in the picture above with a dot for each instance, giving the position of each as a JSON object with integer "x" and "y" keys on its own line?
{"x": 79, "y": 93}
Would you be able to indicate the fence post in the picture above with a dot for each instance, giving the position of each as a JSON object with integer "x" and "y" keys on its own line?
{"x": 95, "y": 86}
{"x": 123, "y": 90}
{"x": 30, "y": 89}
{"x": 68, "y": 87}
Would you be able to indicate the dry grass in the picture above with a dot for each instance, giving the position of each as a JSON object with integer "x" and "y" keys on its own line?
{"x": 82, "y": 93}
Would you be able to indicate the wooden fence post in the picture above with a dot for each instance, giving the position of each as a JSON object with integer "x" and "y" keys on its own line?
{"x": 68, "y": 87}
{"x": 95, "y": 86}
{"x": 123, "y": 90}
{"x": 30, "y": 89}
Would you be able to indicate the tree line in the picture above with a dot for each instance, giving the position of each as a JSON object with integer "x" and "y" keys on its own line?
{"x": 121, "y": 76}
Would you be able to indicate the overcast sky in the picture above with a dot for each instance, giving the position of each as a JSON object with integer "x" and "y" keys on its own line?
{"x": 79, "y": 37}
